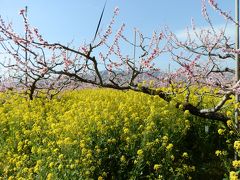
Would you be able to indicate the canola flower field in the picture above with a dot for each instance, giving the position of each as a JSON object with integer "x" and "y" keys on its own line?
{"x": 92, "y": 134}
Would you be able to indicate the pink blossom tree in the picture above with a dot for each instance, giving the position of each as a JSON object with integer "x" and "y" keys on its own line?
{"x": 38, "y": 64}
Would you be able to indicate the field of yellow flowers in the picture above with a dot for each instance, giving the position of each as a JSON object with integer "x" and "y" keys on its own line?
{"x": 95, "y": 134}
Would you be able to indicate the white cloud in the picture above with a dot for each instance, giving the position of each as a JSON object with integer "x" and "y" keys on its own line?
{"x": 229, "y": 31}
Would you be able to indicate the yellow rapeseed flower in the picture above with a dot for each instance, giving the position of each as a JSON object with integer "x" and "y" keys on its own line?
{"x": 87, "y": 173}
{"x": 51, "y": 164}
{"x": 237, "y": 145}
{"x": 19, "y": 164}
{"x": 50, "y": 176}
{"x": 104, "y": 174}
{"x": 60, "y": 167}
{"x": 72, "y": 166}
{"x": 100, "y": 178}
{"x": 221, "y": 131}
{"x": 123, "y": 159}
{"x": 229, "y": 113}
{"x": 169, "y": 146}
{"x": 186, "y": 113}
{"x": 11, "y": 178}
{"x": 157, "y": 167}
{"x": 218, "y": 152}
{"x": 236, "y": 163}
{"x": 61, "y": 156}
{"x": 185, "y": 155}
{"x": 140, "y": 152}
{"x": 25, "y": 170}
{"x": 180, "y": 106}
{"x": 125, "y": 130}
{"x": 229, "y": 123}
{"x": 233, "y": 175}
{"x": 165, "y": 138}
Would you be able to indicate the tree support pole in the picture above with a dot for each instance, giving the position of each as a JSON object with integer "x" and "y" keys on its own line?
{"x": 237, "y": 73}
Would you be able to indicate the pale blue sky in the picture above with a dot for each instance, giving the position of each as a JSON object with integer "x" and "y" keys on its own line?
{"x": 63, "y": 21}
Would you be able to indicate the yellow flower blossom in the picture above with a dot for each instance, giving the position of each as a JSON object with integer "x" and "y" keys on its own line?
{"x": 126, "y": 130}
{"x": 169, "y": 146}
{"x": 165, "y": 138}
{"x": 233, "y": 175}
{"x": 60, "y": 167}
{"x": 87, "y": 173}
{"x": 140, "y": 152}
{"x": 50, "y": 176}
{"x": 236, "y": 163}
{"x": 229, "y": 123}
{"x": 100, "y": 178}
{"x": 157, "y": 167}
{"x": 221, "y": 131}
{"x": 180, "y": 106}
{"x": 123, "y": 159}
{"x": 51, "y": 164}
{"x": 76, "y": 132}
{"x": 61, "y": 156}
{"x": 186, "y": 113}
{"x": 229, "y": 113}
{"x": 237, "y": 145}
{"x": 185, "y": 155}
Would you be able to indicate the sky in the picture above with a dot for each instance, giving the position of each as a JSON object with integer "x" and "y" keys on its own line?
{"x": 64, "y": 21}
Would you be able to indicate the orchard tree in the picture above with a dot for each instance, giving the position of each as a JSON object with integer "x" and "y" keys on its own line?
{"x": 26, "y": 65}
{"x": 38, "y": 64}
